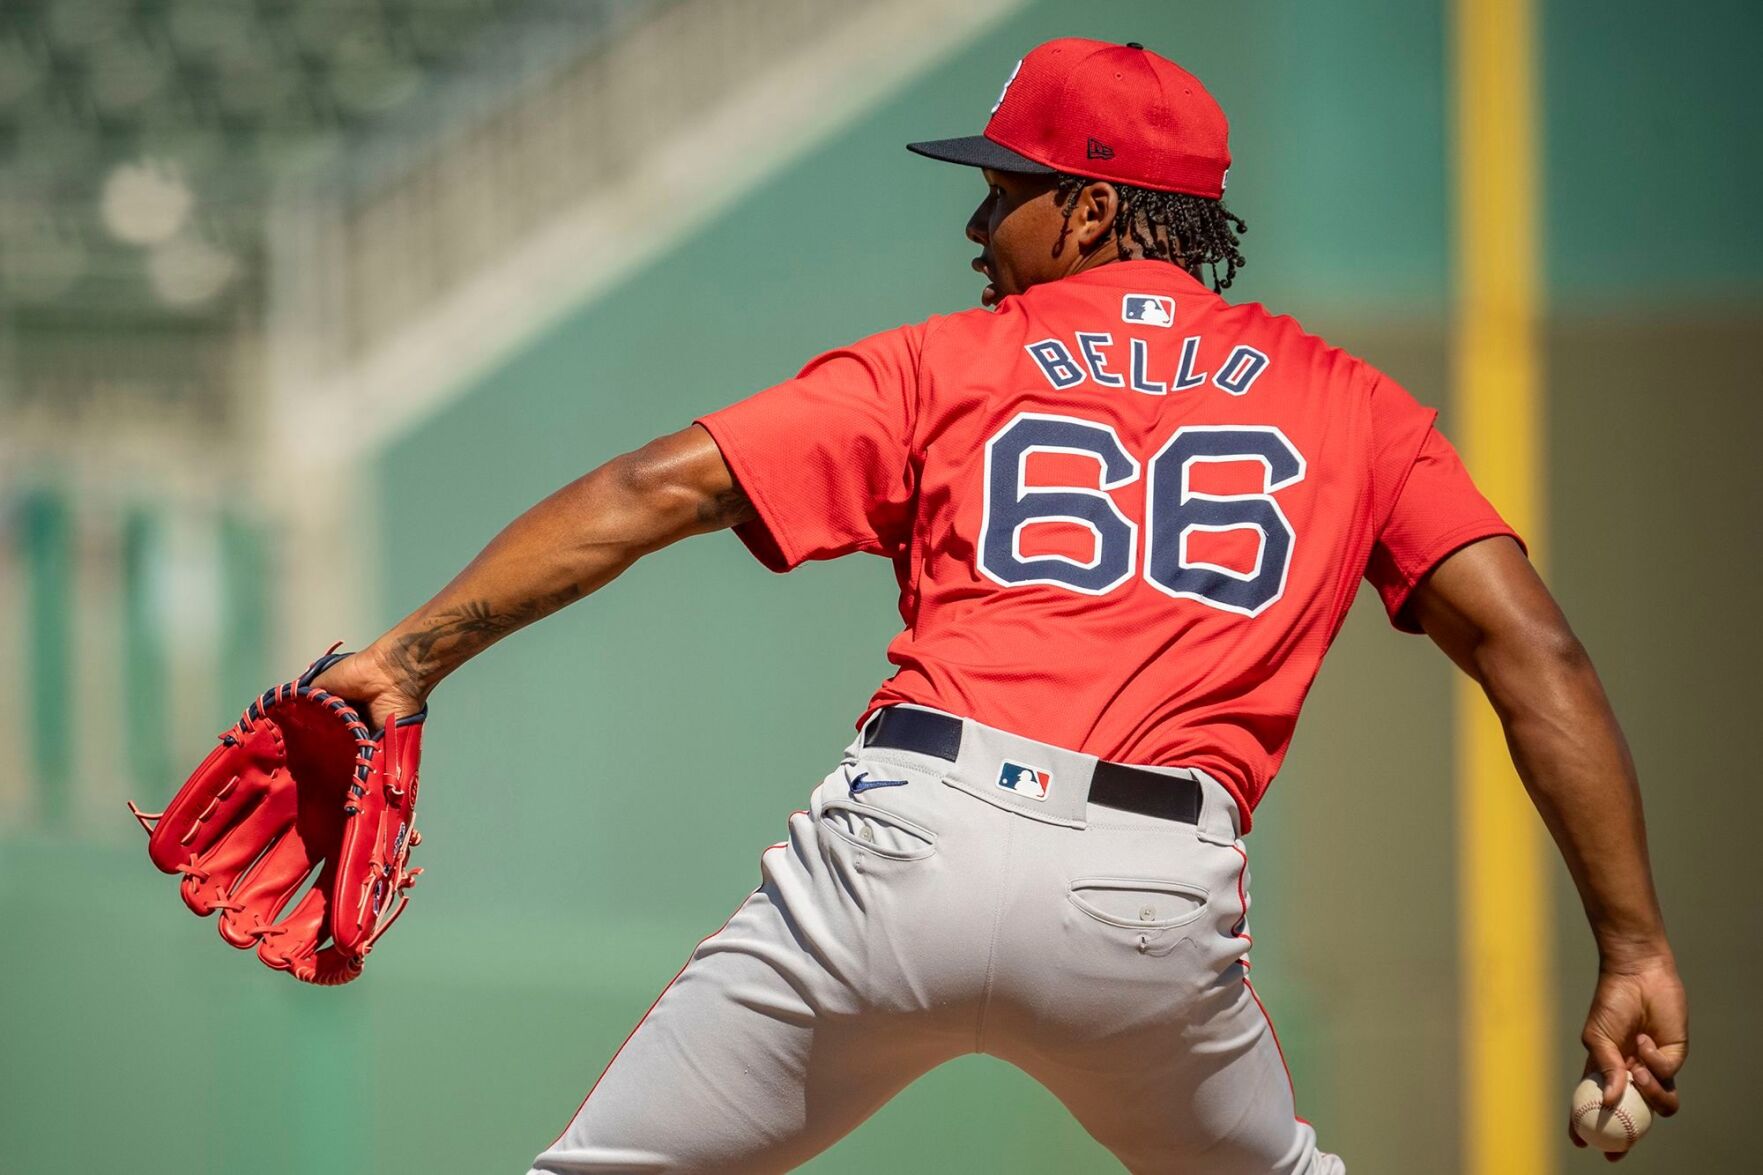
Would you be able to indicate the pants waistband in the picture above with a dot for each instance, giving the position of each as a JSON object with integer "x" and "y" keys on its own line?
{"x": 1047, "y": 782}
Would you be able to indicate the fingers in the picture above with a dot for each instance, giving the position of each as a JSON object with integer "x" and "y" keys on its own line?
{"x": 1609, "y": 1065}
{"x": 1664, "y": 1067}
{"x": 1650, "y": 1077}
{"x": 1648, "y": 1071}
{"x": 1662, "y": 1099}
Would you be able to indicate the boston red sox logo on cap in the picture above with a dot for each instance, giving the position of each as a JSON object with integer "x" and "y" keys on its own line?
{"x": 1106, "y": 111}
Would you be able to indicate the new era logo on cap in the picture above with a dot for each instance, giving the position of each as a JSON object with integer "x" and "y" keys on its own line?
{"x": 1024, "y": 780}
{"x": 1099, "y": 150}
{"x": 1148, "y": 309}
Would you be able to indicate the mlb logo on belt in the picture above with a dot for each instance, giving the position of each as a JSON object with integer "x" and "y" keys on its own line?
{"x": 1024, "y": 781}
{"x": 1148, "y": 309}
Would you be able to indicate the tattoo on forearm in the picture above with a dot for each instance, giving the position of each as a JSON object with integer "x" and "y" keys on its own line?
{"x": 456, "y": 633}
{"x": 730, "y": 507}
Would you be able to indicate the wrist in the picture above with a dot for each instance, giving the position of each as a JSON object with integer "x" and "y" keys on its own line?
{"x": 403, "y": 665}
{"x": 1630, "y": 951}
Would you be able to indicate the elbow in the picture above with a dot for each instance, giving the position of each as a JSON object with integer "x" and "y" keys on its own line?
{"x": 1537, "y": 644}
{"x": 1520, "y": 667}
{"x": 654, "y": 495}
{"x": 639, "y": 477}
{"x": 1558, "y": 650}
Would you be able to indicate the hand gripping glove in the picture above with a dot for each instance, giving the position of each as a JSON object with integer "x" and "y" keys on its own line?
{"x": 299, "y": 785}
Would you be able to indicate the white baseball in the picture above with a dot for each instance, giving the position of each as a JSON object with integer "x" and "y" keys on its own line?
{"x": 1609, "y": 1130}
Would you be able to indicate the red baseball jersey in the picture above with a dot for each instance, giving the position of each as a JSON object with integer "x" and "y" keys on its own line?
{"x": 1126, "y": 516}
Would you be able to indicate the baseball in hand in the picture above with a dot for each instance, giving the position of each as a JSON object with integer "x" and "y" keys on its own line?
{"x": 1609, "y": 1130}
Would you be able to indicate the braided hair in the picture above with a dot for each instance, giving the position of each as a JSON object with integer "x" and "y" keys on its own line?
{"x": 1190, "y": 231}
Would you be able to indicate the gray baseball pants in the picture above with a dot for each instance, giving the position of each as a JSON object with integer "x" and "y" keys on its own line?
{"x": 922, "y": 910}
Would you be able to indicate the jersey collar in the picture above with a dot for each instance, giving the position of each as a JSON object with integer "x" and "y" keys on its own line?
{"x": 1140, "y": 273}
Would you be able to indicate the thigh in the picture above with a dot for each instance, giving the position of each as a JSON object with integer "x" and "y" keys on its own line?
{"x": 765, "y": 1049}
{"x": 1205, "y": 1095}
{"x": 1129, "y": 1000}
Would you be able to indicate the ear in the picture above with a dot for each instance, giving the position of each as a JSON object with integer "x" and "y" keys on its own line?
{"x": 1093, "y": 218}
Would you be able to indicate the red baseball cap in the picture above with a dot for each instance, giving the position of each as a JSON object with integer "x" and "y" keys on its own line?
{"x": 1104, "y": 111}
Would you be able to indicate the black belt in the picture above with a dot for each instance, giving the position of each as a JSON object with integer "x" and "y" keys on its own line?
{"x": 1113, "y": 785}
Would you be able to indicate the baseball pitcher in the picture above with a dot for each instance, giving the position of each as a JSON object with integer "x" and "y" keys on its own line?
{"x": 1127, "y": 518}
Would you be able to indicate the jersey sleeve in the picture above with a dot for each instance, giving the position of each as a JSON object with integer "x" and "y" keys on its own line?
{"x": 1428, "y": 504}
{"x": 825, "y": 458}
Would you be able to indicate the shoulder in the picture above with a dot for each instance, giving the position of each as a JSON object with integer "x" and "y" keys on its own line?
{"x": 1288, "y": 333}
{"x": 1329, "y": 368}
{"x": 976, "y": 321}
{"x": 963, "y": 336}
{"x": 895, "y": 348}
{"x": 914, "y": 337}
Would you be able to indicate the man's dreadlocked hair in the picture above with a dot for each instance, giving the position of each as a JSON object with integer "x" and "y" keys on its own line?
{"x": 1190, "y": 231}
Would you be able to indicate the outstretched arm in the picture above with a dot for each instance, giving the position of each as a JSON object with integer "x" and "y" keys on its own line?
{"x": 574, "y": 542}
{"x": 1486, "y": 607}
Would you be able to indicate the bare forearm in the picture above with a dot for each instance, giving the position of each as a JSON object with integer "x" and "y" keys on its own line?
{"x": 1575, "y": 763}
{"x": 1488, "y": 610}
{"x": 569, "y": 545}
{"x": 558, "y": 551}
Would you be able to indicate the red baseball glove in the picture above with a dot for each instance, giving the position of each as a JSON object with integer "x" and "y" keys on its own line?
{"x": 300, "y": 784}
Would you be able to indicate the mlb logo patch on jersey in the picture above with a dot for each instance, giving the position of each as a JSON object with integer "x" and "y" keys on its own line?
{"x": 1025, "y": 781}
{"x": 1148, "y": 309}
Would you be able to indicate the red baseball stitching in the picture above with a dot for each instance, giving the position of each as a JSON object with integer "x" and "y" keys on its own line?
{"x": 1622, "y": 1115}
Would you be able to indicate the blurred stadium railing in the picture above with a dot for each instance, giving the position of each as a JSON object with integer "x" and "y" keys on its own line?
{"x": 243, "y": 244}
{"x": 140, "y": 145}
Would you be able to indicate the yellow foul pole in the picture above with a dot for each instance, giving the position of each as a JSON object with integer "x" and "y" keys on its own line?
{"x": 1511, "y": 1110}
